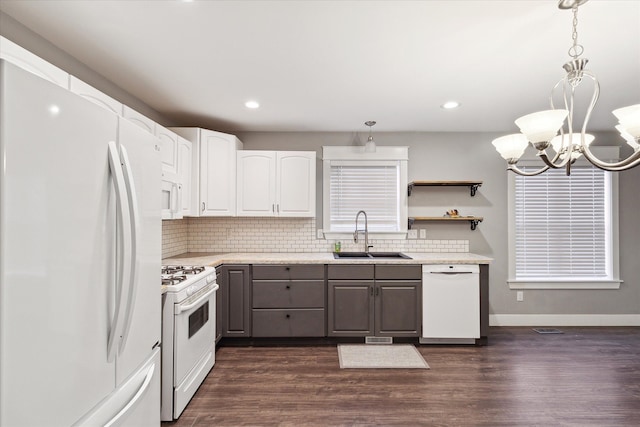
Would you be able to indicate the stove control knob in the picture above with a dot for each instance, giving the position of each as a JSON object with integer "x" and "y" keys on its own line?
{"x": 191, "y": 290}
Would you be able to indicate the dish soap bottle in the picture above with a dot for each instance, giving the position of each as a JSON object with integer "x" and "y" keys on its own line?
{"x": 337, "y": 246}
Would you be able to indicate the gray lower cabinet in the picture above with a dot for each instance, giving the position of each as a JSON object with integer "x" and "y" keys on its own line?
{"x": 288, "y": 301}
{"x": 236, "y": 301}
{"x": 374, "y": 300}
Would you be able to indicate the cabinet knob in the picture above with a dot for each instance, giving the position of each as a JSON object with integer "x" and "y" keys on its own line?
{"x": 288, "y": 287}
{"x": 288, "y": 316}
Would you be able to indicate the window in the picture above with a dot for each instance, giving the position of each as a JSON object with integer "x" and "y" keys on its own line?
{"x": 562, "y": 229}
{"x": 373, "y": 189}
{"x": 373, "y": 182}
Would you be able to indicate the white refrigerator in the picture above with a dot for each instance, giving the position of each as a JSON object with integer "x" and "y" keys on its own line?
{"x": 80, "y": 253}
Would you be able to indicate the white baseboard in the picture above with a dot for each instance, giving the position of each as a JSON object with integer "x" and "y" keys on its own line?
{"x": 564, "y": 319}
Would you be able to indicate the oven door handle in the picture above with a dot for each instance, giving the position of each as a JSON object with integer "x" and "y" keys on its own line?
{"x": 179, "y": 308}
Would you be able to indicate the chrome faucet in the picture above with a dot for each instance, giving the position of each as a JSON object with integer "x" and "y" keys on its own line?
{"x": 366, "y": 231}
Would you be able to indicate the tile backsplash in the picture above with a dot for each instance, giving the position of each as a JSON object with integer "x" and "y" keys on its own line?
{"x": 275, "y": 235}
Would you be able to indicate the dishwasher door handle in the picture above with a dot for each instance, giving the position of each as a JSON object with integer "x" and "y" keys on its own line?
{"x": 451, "y": 272}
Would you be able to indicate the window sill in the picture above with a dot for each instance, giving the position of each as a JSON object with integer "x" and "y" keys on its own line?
{"x": 566, "y": 284}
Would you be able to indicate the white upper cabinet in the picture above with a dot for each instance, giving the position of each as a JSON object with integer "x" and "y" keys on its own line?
{"x": 168, "y": 149}
{"x": 34, "y": 64}
{"x": 296, "y": 183}
{"x": 276, "y": 183}
{"x": 138, "y": 119}
{"x": 256, "y": 183}
{"x": 214, "y": 171}
{"x": 94, "y": 95}
{"x": 185, "y": 185}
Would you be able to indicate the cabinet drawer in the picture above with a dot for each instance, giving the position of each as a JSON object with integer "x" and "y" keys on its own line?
{"x": 288, "y": 294}
{"x": 351, "y": 272}
{"x": 293, "y": 272}
{"x": 288, "y": 323}
{"x": 398, "y": 272}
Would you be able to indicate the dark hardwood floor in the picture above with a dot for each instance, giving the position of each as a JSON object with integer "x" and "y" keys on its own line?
{"x": 583, "y": 377}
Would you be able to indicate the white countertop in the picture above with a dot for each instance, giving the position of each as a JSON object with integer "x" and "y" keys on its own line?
{"x": 216, "y": 259}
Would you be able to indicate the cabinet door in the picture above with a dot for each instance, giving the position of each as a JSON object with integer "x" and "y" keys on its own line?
{"x": 139, "y": 119}
{"x": 217, "y": 173}
{"x": 94, "y": 95}
{"x": 236, "y": 301}
{"x": 296, "y": 184}
{"x": 256, "y": 183}
{"x": 350, "y": 308}
{"x": 185, "y": 156}
{"x": 398, "y": 308}
{"x": 168, "y": 149}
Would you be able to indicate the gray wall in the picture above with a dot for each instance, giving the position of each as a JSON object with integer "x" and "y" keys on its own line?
{"x": 441, "y": 156}
{"x": 470, "y": 156}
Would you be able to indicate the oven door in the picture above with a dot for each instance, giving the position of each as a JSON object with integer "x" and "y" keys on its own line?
{"x": 194, "y": 332}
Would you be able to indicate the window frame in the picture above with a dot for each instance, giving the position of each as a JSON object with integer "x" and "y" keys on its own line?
{"x": 612, "y": 282}
{"x": 355, "y": 155}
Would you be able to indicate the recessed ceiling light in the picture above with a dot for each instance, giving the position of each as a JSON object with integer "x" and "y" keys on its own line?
{"x": 252, "y": 104}
{"x": 449, "y": 105}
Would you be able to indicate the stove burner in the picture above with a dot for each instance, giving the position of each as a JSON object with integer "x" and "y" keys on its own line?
{"x": 175, "y": 274}
{"x": 171, "y": 269}
{"x": 192, "y": 270}
{"x": 168, "y": 282}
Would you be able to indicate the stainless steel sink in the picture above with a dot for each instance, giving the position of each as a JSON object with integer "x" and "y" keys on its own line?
{"x": 369, "y": 255}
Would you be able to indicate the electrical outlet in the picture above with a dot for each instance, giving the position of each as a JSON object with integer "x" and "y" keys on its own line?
{"x": 413, "y": 234}
{"x": 520, "y": 296}
{"x": 423, "y": 233}
{"x": 320, "y": 233}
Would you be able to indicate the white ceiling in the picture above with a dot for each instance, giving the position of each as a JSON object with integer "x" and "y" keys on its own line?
{"x": 332, "y": 65}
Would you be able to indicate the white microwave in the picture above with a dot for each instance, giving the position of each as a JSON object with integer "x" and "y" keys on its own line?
{"x": 171, "y": 196}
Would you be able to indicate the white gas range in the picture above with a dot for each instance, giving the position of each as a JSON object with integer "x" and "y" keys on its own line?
{"x": 188, "y": 334}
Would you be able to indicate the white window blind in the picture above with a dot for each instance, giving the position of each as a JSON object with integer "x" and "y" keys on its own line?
{"x": 373, "y": 189}
{"x": 562, "y": 225}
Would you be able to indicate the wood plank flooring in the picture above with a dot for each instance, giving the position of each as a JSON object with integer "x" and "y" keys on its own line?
{"x": 583, "y": 377}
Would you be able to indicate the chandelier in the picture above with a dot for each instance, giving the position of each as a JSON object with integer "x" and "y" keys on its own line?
{"x": 541, "y": 128}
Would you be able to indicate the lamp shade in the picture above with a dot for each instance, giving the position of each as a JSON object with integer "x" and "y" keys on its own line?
{"x": 511, "y": 147}
{"x": 370, "y": 146}
{"x": 629, "y": 118}
{"x": 541, "y": 126}
{"x": 627, "y": 137}
{"x": 571, "y": 139}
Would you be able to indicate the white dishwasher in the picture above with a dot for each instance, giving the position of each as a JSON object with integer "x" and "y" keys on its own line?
{"x": 450, "y": 304}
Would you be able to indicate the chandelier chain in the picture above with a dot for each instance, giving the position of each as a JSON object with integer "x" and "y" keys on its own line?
{"x": 576, "y": 49}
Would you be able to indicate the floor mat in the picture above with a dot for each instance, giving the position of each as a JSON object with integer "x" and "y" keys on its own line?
{"x": 373, "y": 356}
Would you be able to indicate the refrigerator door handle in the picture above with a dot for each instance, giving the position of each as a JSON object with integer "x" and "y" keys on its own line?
{"x": 122, "y": 259}
{"x": 141, "y": 391}
{"x": 134, "y": 218}
{"x": 122, "y": 402}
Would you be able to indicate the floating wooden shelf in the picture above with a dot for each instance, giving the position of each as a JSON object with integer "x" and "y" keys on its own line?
{"x": 473, "y": 220}
{"x": 473, "y": 185}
